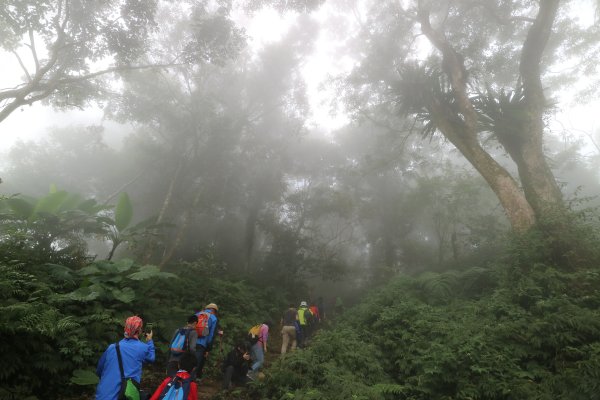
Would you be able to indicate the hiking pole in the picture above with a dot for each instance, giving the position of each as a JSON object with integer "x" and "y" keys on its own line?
{"x": 221, "y": 343}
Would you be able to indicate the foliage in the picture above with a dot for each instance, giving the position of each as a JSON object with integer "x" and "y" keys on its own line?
{"x": 54, "y": 227}
{"x": 483, "y": 333}
{"x": 58, "y": 45}
{"x": 50, "y": 228}
{"x": 56, "y": 320}
{"x": 59, "y": 310}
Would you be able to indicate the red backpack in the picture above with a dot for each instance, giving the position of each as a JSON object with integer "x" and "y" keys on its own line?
{"x": 202, "y": 327}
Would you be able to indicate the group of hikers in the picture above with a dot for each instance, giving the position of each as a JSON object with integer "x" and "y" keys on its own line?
{"x": 120, "y": 367}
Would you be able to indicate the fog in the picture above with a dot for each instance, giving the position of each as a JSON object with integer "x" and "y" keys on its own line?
{"x": 283, "y": 141}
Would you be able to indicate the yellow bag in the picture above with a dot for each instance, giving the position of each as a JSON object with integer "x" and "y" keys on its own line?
{"x": 254, "y": 333}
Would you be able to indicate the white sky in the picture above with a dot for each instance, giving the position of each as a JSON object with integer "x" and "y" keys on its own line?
{"x": 263, "y": 28}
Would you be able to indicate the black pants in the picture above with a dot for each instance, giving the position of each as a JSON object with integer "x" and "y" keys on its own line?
{"x": 231, "y": 374}
{"x": 200, "y": 356}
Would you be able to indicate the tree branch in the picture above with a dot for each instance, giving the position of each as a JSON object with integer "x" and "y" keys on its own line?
{"x": 74, "y": 79}
{"x": 454, "y": 67}
{"x": 22, "y": 65}
{"x": 533, "y": 49}
{"x": 33, "y": 51}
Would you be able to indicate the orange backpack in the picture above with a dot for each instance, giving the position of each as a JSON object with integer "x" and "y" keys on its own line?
{"x": 202, "y": 328}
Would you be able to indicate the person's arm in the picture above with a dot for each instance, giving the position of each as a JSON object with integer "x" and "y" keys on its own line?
{"x": 101, "y": 362}
{"x": 244, "y": 364}
{"x": 160, "y": 389}
{"x": 150, "y": 353}
{"x": 211, "y": 334}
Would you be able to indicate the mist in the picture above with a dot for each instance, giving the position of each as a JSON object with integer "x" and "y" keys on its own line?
{"x": 314, "y": 149}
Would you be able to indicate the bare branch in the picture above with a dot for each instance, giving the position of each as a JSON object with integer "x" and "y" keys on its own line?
{"x": 73, "y": 79}
{"x": 133, "y": 180}
{"x": 22, "y": 101}
{"x": 33, "y": 51}
{"x": 22, "y": 65}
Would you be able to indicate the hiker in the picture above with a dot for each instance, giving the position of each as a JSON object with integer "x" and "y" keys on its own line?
{"x": 133, "y": 353}
{"x": 305, "y": 319}
{"x": 321, "y": 306}
{"x": 236, "y": 365}
{"x": 206, "y": 328}
{"x": 258, "y": 349}
{"x": 288, "y": 330}
{"x": 315, "y": 312}
{"x": 184, "y": 340}
{"x": 181, "y": 383}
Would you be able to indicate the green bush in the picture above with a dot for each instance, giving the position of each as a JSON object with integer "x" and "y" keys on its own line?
{"x": 476, "y": 334}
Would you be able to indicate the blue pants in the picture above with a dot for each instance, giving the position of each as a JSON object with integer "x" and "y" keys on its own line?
{"x": 258, "y": 356}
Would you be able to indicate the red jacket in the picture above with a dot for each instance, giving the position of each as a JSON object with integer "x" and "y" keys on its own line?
{"x": 315, "y": 311}
{"x": 192, "y": 395}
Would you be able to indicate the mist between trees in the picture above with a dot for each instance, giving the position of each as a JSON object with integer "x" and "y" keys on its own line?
{"x": 447, "y": 155}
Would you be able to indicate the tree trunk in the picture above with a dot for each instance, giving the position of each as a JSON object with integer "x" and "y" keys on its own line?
{"x": 250, "y": 233}
{"x": 537, "y": 179}
{"x": 519, "y": 212}
{"x": 187, "y": 215}
{"x": 459, "y": 123}
{"x": 163, "y": 210}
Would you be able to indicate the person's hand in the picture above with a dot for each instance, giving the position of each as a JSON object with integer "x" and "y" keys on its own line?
{"x": 149, "y": 335}
{"x": 246, "y": 356}
{"x": 206, "y": 354}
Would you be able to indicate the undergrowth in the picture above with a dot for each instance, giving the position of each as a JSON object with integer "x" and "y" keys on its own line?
{"x": 523, "y": 327}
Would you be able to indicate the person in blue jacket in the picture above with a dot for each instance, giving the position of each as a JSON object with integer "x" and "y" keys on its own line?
{"x": 133, "y": 354}
{"x": 204, "y": 343}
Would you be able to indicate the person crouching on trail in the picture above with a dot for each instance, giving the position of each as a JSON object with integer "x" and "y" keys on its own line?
{"x": 181, "y": 383}
{"x": 236, "y": 365}
{"x": 183, "y": 341}
{"x": 206, "y": 329}
{"x": 132, "y": 353}
{"x": 288, "y": 330}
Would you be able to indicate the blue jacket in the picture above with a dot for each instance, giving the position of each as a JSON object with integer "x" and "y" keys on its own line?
{"x": 133, "y": 354}
{"x": 206, "y": 341}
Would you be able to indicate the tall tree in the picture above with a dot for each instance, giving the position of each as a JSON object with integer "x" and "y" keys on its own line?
{"x": 482, "y": 77}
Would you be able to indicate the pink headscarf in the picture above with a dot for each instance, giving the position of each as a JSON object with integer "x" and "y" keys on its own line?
{"x": 133, "y": 327}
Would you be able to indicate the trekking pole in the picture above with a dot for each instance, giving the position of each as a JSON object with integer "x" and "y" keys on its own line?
{"x": 221, "y": 343}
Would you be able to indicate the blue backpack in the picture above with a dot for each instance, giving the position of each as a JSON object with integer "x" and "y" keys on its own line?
{"x": 177, "y": 389}
{"x": 181, "y": 341}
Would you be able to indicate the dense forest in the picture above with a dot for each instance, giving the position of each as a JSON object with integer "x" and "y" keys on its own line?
{"x": 448, "y": 220}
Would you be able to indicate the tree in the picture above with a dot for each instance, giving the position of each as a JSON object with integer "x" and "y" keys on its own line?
{"x": 87, "y": 40}
{"x": 482, "y": 78}
{"x": 77, "y": 36}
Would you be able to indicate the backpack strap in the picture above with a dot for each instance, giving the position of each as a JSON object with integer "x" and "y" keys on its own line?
{"x": 186, "y": 345}
{"x": 123, "y": 387}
